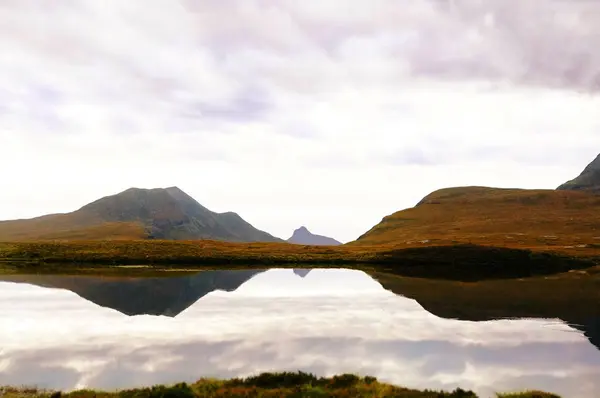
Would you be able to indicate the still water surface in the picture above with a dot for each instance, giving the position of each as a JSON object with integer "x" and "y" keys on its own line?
{"x": 67, "y": 332}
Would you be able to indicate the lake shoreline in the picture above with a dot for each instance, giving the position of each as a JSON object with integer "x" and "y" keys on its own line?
{"x": 285, "y": 384}
{"x": 464, "y": 262}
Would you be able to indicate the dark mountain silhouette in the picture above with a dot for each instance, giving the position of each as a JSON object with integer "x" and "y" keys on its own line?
{"x": 167, "y": 213}
{"x": 588, "y": 180}
{"x": 302, "y": 236}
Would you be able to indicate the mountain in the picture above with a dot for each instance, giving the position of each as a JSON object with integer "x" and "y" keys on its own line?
{"x": 516, "y": 218}
{"x": 588, "y": 180}
{"x": 161, "y": 213}
{"x": 303, "y": 236}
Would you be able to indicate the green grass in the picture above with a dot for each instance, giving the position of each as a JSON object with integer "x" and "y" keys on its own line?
{"x": 286, "y": 384}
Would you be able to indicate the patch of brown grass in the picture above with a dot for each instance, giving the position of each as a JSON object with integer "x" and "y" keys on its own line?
{"x": 72, "y": 226}
{"x": 180, "y": 252}
{"x": 109, "y": 230}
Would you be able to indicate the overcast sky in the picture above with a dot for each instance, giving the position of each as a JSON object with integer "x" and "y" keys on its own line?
{"x": 329, "y": 114}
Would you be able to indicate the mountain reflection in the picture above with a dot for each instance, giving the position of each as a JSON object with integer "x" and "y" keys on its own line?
{"x": 235, "y": 323}
{"x": 166, "y": 296}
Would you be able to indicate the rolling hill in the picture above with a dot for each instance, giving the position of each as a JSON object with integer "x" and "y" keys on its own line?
{"x": 533, "y": 219}
{"x": 588, "y": 180}
{"x": 161, "y": 213}
{"x": 303, "y": 236}
{"x": 565, "y": 219}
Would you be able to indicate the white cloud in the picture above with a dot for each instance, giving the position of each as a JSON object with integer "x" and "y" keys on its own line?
{"x": 328, "y": 115}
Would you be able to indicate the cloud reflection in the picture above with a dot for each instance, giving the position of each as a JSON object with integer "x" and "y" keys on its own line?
{"x": 252, "y": 329}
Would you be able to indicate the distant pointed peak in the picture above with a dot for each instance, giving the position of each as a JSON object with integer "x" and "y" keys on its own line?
{"x": 303, "y": 236}
{"x": 301, "y": 272}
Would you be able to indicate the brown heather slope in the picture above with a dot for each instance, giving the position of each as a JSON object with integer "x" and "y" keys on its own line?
{"x": 69, "y": 227}
{"x": 546, "y": 220}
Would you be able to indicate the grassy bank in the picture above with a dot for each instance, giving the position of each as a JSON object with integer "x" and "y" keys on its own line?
{"x": 268, "y": 385}
{"x": 459, "y": 262}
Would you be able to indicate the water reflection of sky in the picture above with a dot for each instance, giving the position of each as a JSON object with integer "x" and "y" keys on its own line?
{"x": 330, "y": 321}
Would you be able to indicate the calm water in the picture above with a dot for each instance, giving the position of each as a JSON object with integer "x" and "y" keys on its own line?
{"x": 69, "y": 332}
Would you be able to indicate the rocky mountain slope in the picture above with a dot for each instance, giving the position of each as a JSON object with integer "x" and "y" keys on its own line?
{"x": 588, "y": 180}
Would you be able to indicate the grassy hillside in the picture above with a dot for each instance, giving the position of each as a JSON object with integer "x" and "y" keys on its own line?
{"x": 561, "y": 221}
{"x": 72, "y": 226}
{"x": 268, "y": 385}
{"x": 52, "y": 231}
{"x": 137, "y": 214}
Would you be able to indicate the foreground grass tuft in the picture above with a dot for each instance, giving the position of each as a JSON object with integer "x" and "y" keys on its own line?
{"x": 285, "y": 384}
{"x": 528, "y": 394}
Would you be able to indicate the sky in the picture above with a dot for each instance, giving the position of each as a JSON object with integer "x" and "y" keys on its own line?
{"x": 330, "y": 114}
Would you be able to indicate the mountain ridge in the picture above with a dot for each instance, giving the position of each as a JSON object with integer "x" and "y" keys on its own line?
{"x": 138, "y": 213}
